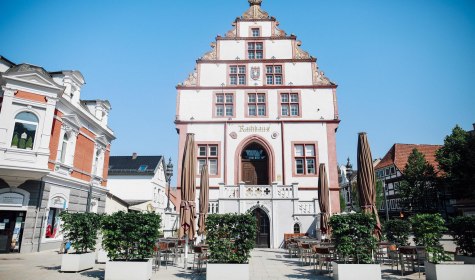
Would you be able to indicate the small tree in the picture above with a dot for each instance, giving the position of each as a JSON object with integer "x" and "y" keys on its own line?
{"x": 463, "y": 231}
{"x": 29, "y": 143}
{"x": 428, "y": 229}
{"x": 230, "y": 237}
{"x": 455, "y": 158}
{"x": 81, "y": 230}
{"x": 418, "y": 189}
{"x": 22, "y": 143}
{"x": 15, "y": 140}
{"x": 130, "y": 236}
{"x": 342, "y": 203}
{"x": 353, "y": 234}
{"x": 397, "y": 231}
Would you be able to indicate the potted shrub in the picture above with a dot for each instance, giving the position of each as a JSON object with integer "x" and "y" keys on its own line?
{"x": 129, "y": 239}
{"x": 22, "y": 141}
{"x": 428, "y": 229}
{"x": 354, "y": 244}
{"x": 463, "y": 231}
{"x": 397, "y": 231}
{"x": 81, "y": 230}
{"x": 29, "y": 143}
{"x": 230, "y": 238}
{"x": 15, "y": 140}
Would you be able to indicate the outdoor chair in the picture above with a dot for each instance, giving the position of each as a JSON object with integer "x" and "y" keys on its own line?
{"x": 305, "y": 253}
{"x": 412, "y": 257}
{"x": 164, "y": 252}
{"x": 381, "y": 253}
{"x": 323, "y": 257}
{"x": 200, "y": 257}
{"x": 293, "y": 248}
{"x": 393, "y": 257}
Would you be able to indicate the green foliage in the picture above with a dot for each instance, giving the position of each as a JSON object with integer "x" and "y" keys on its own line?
{"x": 15, "y": 140}
{"x": 355, "y": 196}
{"x": 428, "y": 229}
{"x": 342, "y": 203}
{"x": 130, "y": 236}
{"x": 418, "y": 189}
{"x": 29, "y": 143}
{"x": 463, "y": 231}
{"x": 81, "y": 230}
{"x": 455, "y": 158}
{"x": 379, "y": 194}
{"x": 22, "y": 143}
{"x": 354, "y": 238}
{"x": 231, "y": 237}
{"x": 397, "y": 231}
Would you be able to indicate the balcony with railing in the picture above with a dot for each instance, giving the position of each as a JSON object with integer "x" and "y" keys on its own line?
{"x": 243, "y": 191}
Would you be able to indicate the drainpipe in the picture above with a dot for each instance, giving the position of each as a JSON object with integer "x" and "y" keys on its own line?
{"x": 38, "y": 208}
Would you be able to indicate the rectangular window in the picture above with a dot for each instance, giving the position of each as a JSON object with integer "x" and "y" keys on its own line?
{"x": 305, "y": 159}
{"x": 274, "y": 75}
{"x": 224, "y": 105}
{"x": 255, "y": 50}
{"x": 256, "y": 32}
{"x": 289, "y": 104}
{"x": 237, "y": 75}
{"x": 256, "y": 104}
{"x": 208, "y": 154}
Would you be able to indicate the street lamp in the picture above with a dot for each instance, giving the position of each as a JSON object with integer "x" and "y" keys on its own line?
{"x": 349, "y": 172}
{"x": 169, "y": 174}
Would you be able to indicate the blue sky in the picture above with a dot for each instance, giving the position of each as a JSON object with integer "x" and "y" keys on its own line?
{"x": 405, "y": 68}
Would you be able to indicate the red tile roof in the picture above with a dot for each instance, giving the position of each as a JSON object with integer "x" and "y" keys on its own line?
{"x": 399, "y": 153}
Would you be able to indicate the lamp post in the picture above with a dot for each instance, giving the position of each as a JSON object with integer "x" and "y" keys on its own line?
{"x": 349, "y": 172}
{"x": 169, "y": 174}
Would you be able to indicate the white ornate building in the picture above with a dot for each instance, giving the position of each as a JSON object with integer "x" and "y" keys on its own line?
{"x": 54, "y": 152}
{"x": 264, "y": 117}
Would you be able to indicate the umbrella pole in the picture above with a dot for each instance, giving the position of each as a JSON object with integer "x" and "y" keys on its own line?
{"x": 186, "y": 252}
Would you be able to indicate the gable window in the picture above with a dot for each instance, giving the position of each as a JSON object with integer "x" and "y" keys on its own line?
{"x": 237, "y": 75}
{"x": 255, "y": 50}
{"x": 289, "y": 104}
{"x": 304, "y": 159}
{"x": 256, "y": 104}
{"x": 274, "y": 75}
{"x": 24, "y": 132}
{"x": 224, "y": 105}
{"x": 208, "y": 154}
{"x": 255, "y": 32}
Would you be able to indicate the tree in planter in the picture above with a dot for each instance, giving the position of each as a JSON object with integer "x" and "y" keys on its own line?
{"x": 354, "y": 239}
{"x": 130, "y": 236}
{"x": 22, "y": 142}
{"x": 29, "y": 143}
{"x": 15, "y": 140}
{"x": 81, "y": 230}
{"x": 397, "y": 231}
{"x": 428, "y": 229}
{"x": 418, "y": 189}
{"x": 455, "y": 158}
{"x": 463, "y": 231}
{"x": 230, "y": 237}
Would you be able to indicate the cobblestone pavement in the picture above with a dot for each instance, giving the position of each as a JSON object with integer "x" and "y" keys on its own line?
{"x": 264, "y": 264}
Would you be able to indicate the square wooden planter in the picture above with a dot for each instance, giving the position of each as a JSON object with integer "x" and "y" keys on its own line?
{"x": 356, "y": 271}
{"x": 449, "y": 271}
{"x": 77, "y": 262}
{"x": 231, "y": 271}
{"x": 120, "y": 270}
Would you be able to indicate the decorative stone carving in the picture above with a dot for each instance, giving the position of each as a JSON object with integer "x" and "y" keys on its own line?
{"x": 277, "y": 31}
{"x": 275, "y": 134}
{"x": 255, "y": 11}
{"x": 299, "y": 53}
{"x": 319, "y": 78}
{"x": 233, "y": 135}
{"x": 192, "y": 79}
{"x": 211, "y": 55}
{"x": 232, "y": 33}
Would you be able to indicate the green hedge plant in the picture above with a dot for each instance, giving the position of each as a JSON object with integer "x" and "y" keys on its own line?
{"x": 463, "y": 231}
{"x": 130, "y": 236}
{"x": 81, "y": 230}
{"x": 231, "y": 237}
{"x": 428, "y": 230}
{"x": 397, "y": 231}
{"x": 354, "y": 239}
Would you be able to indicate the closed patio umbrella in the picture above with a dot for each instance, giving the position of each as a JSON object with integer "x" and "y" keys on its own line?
{"x": 366, "y": 180}
{"x": 323, "y": 199}
{"x": 204, "y": 200}
{"x": 188, "y": 188}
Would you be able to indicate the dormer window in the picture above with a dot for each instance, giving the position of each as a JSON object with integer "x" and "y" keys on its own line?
{"x": 256, "y": 32}
{"x": 143, "y": 168}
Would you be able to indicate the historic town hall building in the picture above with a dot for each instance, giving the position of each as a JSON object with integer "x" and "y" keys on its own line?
{"x": 264, "y": 117}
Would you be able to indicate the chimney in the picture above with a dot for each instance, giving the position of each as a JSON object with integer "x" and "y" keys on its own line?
{"x": 134, "y": 155}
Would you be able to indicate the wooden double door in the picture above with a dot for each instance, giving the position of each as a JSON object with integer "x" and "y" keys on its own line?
{"x": 254, "y": 165}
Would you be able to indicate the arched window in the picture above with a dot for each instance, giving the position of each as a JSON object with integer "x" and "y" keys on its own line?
{"x": 296, "y": 228}
{"x": 24, "y": 132}
{"x": 64, "y": 148}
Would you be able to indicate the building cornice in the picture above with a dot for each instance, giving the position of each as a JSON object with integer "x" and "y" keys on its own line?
{"x": 246, "y": 61}
{"x": 271, "y": 38}
{"x": 232, "y": 121}
{"x": 182, "y": 87}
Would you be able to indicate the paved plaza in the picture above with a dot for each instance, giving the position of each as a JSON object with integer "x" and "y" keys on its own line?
{"x": 265, "y": 264}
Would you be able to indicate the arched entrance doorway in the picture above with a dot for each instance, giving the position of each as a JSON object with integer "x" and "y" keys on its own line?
{"x": 263, "y": 228}
{"x": 255, "y": 165}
